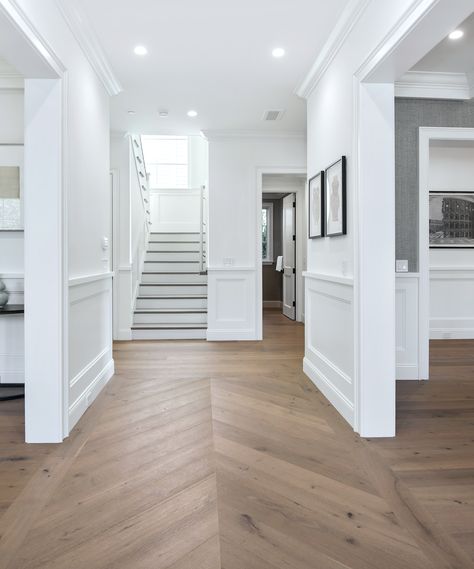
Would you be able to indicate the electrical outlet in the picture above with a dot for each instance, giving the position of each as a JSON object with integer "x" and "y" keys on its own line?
{"x": 401, "y": 266}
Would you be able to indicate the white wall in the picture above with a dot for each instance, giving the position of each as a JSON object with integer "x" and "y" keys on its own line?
{"x": 176, "y": 211}
{"x": 451, "y": 168}
{"x": 88, "y": 344}
{"x": 234, "y": 259}
{"x": 198, "y": 162}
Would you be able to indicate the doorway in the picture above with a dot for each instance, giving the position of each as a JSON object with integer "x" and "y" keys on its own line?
{"x": 283, "y": 231}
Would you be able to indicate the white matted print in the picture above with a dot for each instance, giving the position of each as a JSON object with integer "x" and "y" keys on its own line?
{"x": 335, "y": 198}
{"x": 316, "y": 206}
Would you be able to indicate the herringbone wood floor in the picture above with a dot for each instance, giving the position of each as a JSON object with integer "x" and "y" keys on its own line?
{"x": 209, "y": 456}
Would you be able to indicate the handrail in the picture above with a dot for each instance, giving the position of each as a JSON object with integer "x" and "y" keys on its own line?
{"x": 202, "y": 232}
{"x": 142, "y": 176}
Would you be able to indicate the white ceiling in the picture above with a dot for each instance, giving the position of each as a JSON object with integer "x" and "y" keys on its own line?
{"x": 213, "y": 56}
{"x": 452, "y": 56}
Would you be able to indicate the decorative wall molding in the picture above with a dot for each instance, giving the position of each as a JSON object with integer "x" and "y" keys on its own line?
{"x": 230, "y": 268}
{"x": 83, "y": 32}
{"x": 342, "y": 29}
{"x": 77, "y": 281}
{"x": 329, "y": 358}
{"x": 429, "y": 85}
{"x": 212, "y": 134}
{"x": 406, "y": 326}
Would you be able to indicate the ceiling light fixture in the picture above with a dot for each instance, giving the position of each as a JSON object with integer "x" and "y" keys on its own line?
{"x": 131, "y": 112}
{"x": 163, "y": 114}
{"x": 278, "y": 52}
{"x": 192, "y": 114}
{"x": 140, "y": 50}
{"x": 457, "y": 34}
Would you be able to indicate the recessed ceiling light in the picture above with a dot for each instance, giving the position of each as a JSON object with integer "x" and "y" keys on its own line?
{"x": 131, "y": 112}
{"x": 192, "y": 114}
{"x": 140, "y": 50}
{"x": 163, "y": 114}
{"x": 278, "y": 52}
{"x": 457, "y": 34}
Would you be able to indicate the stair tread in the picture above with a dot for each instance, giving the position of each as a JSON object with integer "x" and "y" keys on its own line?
{"x": 169, "y": 326}
{"x": 182, "y": 283}
{"x": 171, "y": 273}
{"x": 180, "y": 252}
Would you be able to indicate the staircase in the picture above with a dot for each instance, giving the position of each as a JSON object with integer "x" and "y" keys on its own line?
{"x": 172, "y": 299}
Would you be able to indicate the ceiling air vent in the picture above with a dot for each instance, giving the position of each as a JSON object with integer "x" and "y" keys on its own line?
{"x": 273, "y": 115}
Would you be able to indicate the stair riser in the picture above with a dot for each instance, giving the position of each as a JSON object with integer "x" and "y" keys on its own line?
{"x": 172, "y": 267}
{"x": 173, "y": 318}
{"x": 157, "y": 278}
{"x": 172, "y": 256}
{"x": 173, "y": 247}
{"x": 169, "y": 334}
{"x": 174, "y": 237}
{"x": 172, "y": 289}
{"x": 170, "y": 303}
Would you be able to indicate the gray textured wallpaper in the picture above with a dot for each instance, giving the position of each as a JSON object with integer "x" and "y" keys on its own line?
{"x": 410, "y": 114}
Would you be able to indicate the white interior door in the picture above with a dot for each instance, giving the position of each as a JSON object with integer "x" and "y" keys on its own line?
{"x": 289, "y": 256}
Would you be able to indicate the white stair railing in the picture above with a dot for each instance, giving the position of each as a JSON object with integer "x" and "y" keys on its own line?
{"x": 137, "y": 150}
{"x": 203, "y": 231}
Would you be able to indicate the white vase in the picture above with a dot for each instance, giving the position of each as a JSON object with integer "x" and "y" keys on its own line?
{"x": 3, "y": 294}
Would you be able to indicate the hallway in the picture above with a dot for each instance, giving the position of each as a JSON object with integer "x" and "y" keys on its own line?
{"x": 224, "y": 455}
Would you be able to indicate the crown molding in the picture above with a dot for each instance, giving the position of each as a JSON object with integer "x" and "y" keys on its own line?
{"x": 82, "y": 31}
{"x": 431, "y": 85}
{"x": 11, "y": 83}
{"x": 212, "y": 134}
{"x": 338, "y": 36}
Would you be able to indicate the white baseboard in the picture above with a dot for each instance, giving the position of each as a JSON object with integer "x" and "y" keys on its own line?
{"x": 124, "y": 335}
{"x": 235, "y": 335}
{"x": 458, "y": 328}
{"x": 85, "y": 400}
{"x": 272, "y": 304}
{"x": 330, "y": 391}
{"x": 407, "y": 373}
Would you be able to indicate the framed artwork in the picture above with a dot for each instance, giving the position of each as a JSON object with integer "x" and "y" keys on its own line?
{"x": 11, "y": 187}
{"x": 451, "y": 220}
{"x": 335, "y": 199}
{"x": 316, "y": 206}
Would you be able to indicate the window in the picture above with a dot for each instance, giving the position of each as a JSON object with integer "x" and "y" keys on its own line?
{"x": 267, "y": 233}
{"x": 166, "y": 159}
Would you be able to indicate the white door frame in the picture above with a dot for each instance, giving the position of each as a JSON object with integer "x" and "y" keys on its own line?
{"x": 46, "y": 263}
{"x": 300, "y": 203}
{"x": 426, "y": 136}
{"x": 374, "y": 160}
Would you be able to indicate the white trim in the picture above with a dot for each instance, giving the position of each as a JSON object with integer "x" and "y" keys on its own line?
{"x": 77, "y": 281}
{"x": 83, "y": 32}
{"x": 338, "y": 36}
{"x": 11, "y": 84}
{"x": 225, "y": 335}
{"x": 231, "y": 268}
{"x": 212, "y": 134}
{"x": 430, "y": 85}
{"x": 272, "y": 304}
{"x": 329, "y": 390}
{"x": 80, "y": 405}
{"x": 348, "y": 281}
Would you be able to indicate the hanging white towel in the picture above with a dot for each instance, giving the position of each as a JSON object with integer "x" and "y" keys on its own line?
{"x": 279, "y": 264}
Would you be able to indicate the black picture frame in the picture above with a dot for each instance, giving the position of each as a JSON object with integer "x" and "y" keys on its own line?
{"x": 455, "y": 223}
{"x": 338, "y": 199}
{"x": 311, "y": 234}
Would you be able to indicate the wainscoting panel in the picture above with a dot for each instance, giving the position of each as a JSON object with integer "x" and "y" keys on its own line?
{"x": 406, "y": 329}
{"x": 12, "y": 334}
{"x": 329, "y": 339}
{"x": 231, "y": 301}
{"x": 452, "y": 303}
{"x": 175, "y": 210}
{"x": 90, "y": 341}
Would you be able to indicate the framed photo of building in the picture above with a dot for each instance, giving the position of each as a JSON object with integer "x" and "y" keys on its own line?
{"x": 335, "y": 199}
{"x": 451, "y": 219}
{"x": 316, "y": 206}
{"x": 11, "y": 187}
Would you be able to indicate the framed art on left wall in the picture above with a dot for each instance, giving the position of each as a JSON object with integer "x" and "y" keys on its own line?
{"x": 335, "y": 199}
{"x": 316, "y": 206}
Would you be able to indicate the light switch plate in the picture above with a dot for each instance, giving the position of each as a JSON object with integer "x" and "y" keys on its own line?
{"x": 402, "y": 266}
